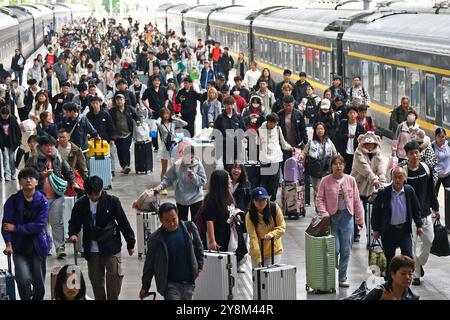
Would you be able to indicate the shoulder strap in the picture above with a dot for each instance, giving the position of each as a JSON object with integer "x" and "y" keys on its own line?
{"x": 273, "y": 212}
{"x": 351, "y": 93}
{"x": 426, "y": 167}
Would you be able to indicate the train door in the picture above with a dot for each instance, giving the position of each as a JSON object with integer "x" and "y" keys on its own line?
{"x": 415, "y": 89}
{"x": 430, "y": 96}
{"x": 445, "y": 101}
{"x": 387, "y": 85}
{"x": 401, "y": 85}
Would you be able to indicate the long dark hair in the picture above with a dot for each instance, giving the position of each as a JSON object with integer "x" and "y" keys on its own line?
{"x": 325, "y": 135}
{"x": 254, "y": 213}
{"x": 219, "y": 193}
{"x": 243, "y": 177}
{"x": 61, "y": 279}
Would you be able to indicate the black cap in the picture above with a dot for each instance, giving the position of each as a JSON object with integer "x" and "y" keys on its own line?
{"x": 302, "y": 74}
{"x": 31, "y": 82}
{"x": 220, "y": 77}
{"x": 171, "y": 80}
{"x": 287, "y": 72}
{"x": 187, "y": 79}
{"x": 82, "y": 87}
{"x": 121, "y": 81}
{"x": 288, "y": 99}
{"x": 65, "y": 84}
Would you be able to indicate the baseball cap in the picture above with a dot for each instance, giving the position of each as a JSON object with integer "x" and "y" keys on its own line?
{"x": 325, "y": 104}
{"x": 119, "y": 96}
{"x": 259, "y": 193}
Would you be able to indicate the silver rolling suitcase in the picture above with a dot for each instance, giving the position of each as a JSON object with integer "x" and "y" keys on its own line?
{"x": 218, "y": 277}
{"x": 274, "y": 282}
{"x": 102, "y": 168}
{"x": 147, "y": 223}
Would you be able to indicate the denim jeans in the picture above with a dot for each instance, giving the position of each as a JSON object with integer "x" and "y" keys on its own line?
{"x": 9, "y": 163}
{"x": 30, "y": 276}
{"x": 342, "y": 230}
{"x": 18, "y": 75}
{"x": 179, "y": 291}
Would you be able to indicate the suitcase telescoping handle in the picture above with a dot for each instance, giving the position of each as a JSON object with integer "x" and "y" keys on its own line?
{"x": 75, "y": 252}
{"x": 9, "y": 263}
{"x": 272, "y": 251}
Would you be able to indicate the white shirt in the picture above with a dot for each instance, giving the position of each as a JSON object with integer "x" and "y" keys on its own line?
{"x": 350, "y": 146}
{"x": 251, "y": 77}
{"x": 93, "y": 207}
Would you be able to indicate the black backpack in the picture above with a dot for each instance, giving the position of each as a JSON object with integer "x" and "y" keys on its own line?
{"x": 310, "y": 107}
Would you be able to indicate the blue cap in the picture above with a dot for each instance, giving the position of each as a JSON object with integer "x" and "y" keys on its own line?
{"x": 259, "y": 194}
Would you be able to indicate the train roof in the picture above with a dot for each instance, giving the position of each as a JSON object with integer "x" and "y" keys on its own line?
{"x": 232, "y": 15}
{"x": 178, "y": 8}
{"x": 403, "y": 31}
{"x": 163, "y": 7}
{"x": 60, "y": 7}
{"x": 21, "y": 13}
{"x": 6, "y": 21}
{"x": 39, "y": 6}
{"x": 200, "y": 12}
{"x": 35, "y": 12}
{"x": 305, "y": 21}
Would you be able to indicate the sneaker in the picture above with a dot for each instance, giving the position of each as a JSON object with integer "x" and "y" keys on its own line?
{"x": 13, "y": 178}
{"x": 356, "y": 238}
{"x": 127, "y": 170}
{"x": 344, "y": 284}
{"x": 156, "y": 150}
{"x": 49, "y": 254}
{"x": 7, "y": 179}
{"x": 60, "y": 254}
{"x": 416, "y": 282}
{"x": 164, "y": 192}
{"x": 241, "y": 268}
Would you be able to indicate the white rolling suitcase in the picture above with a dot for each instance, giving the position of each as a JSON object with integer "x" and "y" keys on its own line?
{"x": 274, "y": 282}
{"x": 147, "y": 223}
{"x": 217, "y": 281}
{"x": 69, "y": 202}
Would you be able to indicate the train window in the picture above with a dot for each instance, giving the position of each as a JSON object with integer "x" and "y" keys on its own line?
{"x": 401, "y": 84}
{"x": 387, "y": 85}
{"x": 376, "y": 82}
{"x": 267, "y": 49}
{"x": 446, "y": 100}
{"x": 415, "y": 89}
{"x": 298, "y": 60}
{"x": 365, "y": 74}
{"x": 324, "y": 67}
{"x": 317, "y": 64}
{"x": 281, "y": 54}
{"x": 309, "y": 65}
{"x": 291, "y": 57}
{"x": 430, "y": 94}
{"x": 285, "y": 55}
{"x": 303, "y": 66}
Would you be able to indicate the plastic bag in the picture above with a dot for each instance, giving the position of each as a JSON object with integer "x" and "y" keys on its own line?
{"x": 153, "y": 127}
{"x": 140, "y": 132}
{"x": 146, "y": 201}
{"x": 27, "y": 125}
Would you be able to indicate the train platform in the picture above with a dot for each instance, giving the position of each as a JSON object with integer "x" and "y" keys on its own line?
{"x": 434, "y": 286}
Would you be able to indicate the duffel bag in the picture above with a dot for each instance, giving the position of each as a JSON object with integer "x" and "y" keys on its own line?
{"x": 98, "y": 148}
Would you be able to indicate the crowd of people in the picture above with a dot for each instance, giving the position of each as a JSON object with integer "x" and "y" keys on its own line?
{"x": 101, "y": 79}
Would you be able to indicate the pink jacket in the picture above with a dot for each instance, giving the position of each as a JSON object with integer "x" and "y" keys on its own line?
{"x": 327, "y": 197}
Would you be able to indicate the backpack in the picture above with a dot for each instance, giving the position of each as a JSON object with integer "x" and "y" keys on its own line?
{"x": 310, "y": 107}
{"x": 377, "y": 131}
{"x": 363, "y": 90}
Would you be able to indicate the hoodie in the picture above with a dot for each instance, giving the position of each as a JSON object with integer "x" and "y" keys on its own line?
{"x": 188, "y": 190}
{"x": 261, "y": 112}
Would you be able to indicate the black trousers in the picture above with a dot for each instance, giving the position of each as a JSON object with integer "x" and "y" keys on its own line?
{"x": 348, "y": 163}
{"x": 190, "y": 119}
{"x": 184, "y": 210}
{"x": 396, "y": 236}
{"x": 444, "y": 181}
{"x": 270, "y": 182}
{"x": 123, "y": 151}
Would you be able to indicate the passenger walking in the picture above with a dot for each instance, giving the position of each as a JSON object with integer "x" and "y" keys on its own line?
{"x": 358, "y": 92}
{"x": 399, "y": 114}
{"x": 252, "y": 76}
{"x": 18, "y": 62}
{"x": 281, "y": 85}
{"x": 427, "y": 154}
{"x": 103, "y": 221}
{"x": 24, "y": 230}
{"x": 188, "y": 175}
{"x": 264, "y": 220}
{"x": 442, "y": 149}
{"x": 405, "y": 133}
{"x": 338, "y": 197}
{"x": 368, "y": 170}
{"x": 211, "y": 108}
{"x": 175, "y": 257}
{"x": 10, "y": 140}
{"x": 188, "y": 98}
{"x": 394, "y": 210}
{"x": 302, "y": 84}
{"x": 241, "y": 66}
{"x": 421, "y": 179}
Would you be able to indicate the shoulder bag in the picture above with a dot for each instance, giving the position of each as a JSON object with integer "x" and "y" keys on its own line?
{"x": 316, "y": 167}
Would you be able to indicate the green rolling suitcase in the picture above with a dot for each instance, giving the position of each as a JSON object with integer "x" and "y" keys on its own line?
{"x": 320, "y": 264}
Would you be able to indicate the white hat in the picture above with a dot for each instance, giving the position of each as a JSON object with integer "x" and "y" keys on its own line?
{"x": 325, "y": 104}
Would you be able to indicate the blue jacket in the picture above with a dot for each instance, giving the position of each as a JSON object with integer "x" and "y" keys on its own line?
{"x": 13, "y": 213}
{"x": 206, "y": 76}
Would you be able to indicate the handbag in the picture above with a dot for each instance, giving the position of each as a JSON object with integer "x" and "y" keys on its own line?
{"x": 146, "y": 201}
{"x": 377, "y": 257}
{"x": 58, "y": 184}
{"x": 441, "y": 246}
{"x": 320, "y": 226}
{"x": 316, "y": 167}
{"x": 106, "y": 233}
{"x": 71, "y": 192}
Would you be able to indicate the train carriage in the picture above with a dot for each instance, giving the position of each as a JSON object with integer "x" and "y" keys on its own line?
{"x": 196, "y": 22}
{"x": 9, "y": 29}
{"x": 26, "y": 32}
{"x": 175, "y": 18}
{"x": 401, "y": 54}
{"x": 62, "y": 15}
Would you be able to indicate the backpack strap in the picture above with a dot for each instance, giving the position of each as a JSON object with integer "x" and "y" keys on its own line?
{"x": 426, "y": 167}
{"x": 273, "y": 212}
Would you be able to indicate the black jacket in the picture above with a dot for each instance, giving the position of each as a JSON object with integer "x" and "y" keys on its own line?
{"x": 130, "y": 114}
{"x": 157, "y": 260}
{"x": 95, "y": 54}
{"x": 58, "y": 107}
{"x": 130, "y": 98}
{"x": 51, "y": 131}
{"x": 242, "y": 195}
{"x": 223, "y": 123}
{"x": 189, "y": 105}
{"x": 109, "y": 210}
{"x": 14, "y": 62}
{"x": 80, "y": 133}
{"x": 141, "y": 61}
{"x": 301, "y": 90}
{"x": 341, "y": 136}
{"x": 103, "y": 123}
{"x": 226, "y": 62}
{"x": 298, "y": 125}
{"x": 382, "y": 209}
{"x": 14, "y": 137}
{"x": 279, "y": 92}
{"x": 339, "y": 91}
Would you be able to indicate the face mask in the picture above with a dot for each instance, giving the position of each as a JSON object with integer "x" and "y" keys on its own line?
{"x": 411, "y": 118}
{"x": 255, "y": 105}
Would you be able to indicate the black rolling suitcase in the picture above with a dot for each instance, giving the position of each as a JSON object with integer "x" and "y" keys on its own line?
{"x": 143, "y": 157}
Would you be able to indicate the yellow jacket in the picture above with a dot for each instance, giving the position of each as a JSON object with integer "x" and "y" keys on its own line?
{"x": 263, "y": 229}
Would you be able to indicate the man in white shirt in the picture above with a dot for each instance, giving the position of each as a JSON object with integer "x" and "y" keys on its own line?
{"x": 252, "y": 76}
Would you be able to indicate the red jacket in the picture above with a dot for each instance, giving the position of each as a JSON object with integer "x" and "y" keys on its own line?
{"x": 241, "y": 104}
{"x": 176, "y": 106}
{"x": 216, "y": 53}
